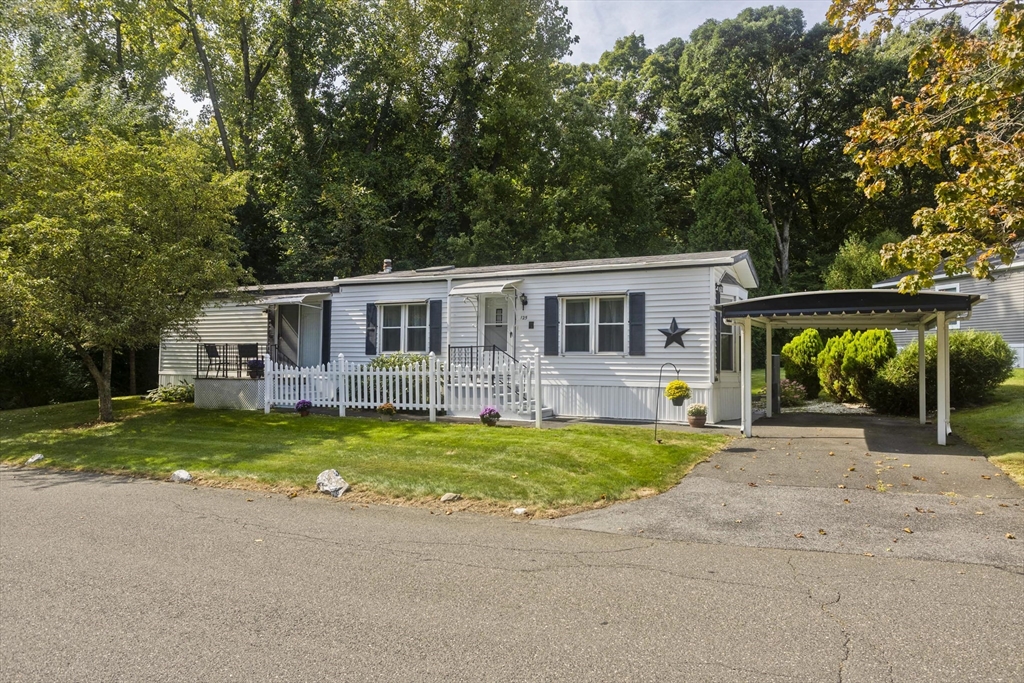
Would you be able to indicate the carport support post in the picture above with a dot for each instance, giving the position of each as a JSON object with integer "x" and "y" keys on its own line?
{"x": 942, "y": 366}
{"x": 432, "y": 385}
{"x": 768, "y": 369}
{"x": 922, "y": 395}
{"x": 538, "y": 390}
{"x": 745, "y": 381}
{"x": 342, "y": 385}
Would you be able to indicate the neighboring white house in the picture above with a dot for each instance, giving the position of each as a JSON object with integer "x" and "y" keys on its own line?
{"x": 1002, "y": 310}
{"x": 604, "y": 327}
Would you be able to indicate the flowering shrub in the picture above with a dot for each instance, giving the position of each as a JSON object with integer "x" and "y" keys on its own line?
{"x": 183, "y": 392}
{"x": 677, "y": 389}
{"x": 791, "y": 393}
{"x": 490, "y": 415}
{"x": 303, "y": 405}
{"x": 697, "y": 410}
{"x": 386, "y": 409}
{"x": 256, "y": 364}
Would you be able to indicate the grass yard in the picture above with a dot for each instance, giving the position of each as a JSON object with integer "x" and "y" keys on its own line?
{"x": 998, "y": 428}
{"x": 579, "y": 465}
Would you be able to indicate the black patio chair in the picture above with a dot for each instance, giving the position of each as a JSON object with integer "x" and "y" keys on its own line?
{"x": 214, "y": 360}
{"x": 246, "y": 353}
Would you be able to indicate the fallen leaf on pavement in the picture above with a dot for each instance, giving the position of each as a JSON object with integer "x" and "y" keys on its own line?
{"x": 798, "y": 535}
{"x": 852, "y": 469}
{"x": 831, "y": 452}
{"x": 985, "y": 476}
{"x": 919, "y": 478}
{"x": 752, "y": 484}
{"x": 869, "y": 554}
{"x": 822, "y": 532}
{"x": 1010, "y": 536}
{"x": 842, "y": 486}
{"x": 846, "y": 500}
{"x": 978, "y": 512}
{"x": 906, "y": 529}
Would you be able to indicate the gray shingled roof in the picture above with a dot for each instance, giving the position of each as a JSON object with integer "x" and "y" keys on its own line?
{"x": 625, "y": 263}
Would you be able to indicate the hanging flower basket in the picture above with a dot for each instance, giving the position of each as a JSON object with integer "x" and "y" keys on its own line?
{"x": 677, "y": 391}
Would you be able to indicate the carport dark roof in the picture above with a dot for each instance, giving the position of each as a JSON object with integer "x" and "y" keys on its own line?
{"x": 849, "y": 308}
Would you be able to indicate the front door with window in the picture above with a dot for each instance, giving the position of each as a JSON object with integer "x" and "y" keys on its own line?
{"x": 497, "y": 316}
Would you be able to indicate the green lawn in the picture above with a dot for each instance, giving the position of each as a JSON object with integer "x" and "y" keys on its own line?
{"x": 998, "y": 428}
{"x": 577, "y": 465}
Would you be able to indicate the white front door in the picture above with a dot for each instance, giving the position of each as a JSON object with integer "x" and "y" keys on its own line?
{"x": 497, "y": 322}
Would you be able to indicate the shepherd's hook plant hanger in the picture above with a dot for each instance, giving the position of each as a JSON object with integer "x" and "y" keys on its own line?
{"x": 657, "y": 405}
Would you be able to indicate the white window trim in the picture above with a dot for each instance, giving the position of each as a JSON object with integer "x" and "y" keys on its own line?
{"x": 404, "y": 329}
{"x": 594, "y": 323}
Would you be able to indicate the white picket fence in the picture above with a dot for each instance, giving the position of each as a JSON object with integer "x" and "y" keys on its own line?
{"x": 461, "y": 390}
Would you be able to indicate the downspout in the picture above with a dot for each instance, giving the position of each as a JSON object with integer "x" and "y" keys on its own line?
{"x": 448, "y": 321}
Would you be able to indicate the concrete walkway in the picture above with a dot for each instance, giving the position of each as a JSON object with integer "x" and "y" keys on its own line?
{"x": 859, "y": 484}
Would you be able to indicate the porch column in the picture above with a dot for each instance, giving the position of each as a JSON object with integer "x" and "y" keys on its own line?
{"x": 922, "y": 395}
{"x": 942, "y": 367}
{"x": 768, "y": 369}
{"x": 747, "y": 409}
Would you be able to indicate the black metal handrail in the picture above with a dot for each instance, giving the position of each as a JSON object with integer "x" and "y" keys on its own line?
{"x": 236, "y": 359}
{"x": 475, "y": 356}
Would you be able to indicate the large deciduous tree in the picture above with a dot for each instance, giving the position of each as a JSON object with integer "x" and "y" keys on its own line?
{"x": 966, "y": 121}
{"x": 107, "y": 240}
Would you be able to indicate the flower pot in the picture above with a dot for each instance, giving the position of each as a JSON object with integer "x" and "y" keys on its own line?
{"x": 489, "y": 422}
{"x": 256, "y": 374}
{"x": 696, "y": 420}
{"x": 386, "y": 418}
{"x": 678, "y": 401}
{"x": 304, "y": 413}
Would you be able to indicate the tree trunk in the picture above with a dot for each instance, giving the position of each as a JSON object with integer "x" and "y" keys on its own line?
{"x": 102, "y": 378}
{"x": 132, "y": 387}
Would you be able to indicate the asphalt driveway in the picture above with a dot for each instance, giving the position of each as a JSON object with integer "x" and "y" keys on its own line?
{"x": 856, "y": 484}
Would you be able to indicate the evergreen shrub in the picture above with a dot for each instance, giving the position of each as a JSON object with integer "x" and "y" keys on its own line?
{"x": 848, "y": 363}
{"x": 800, "y": 360}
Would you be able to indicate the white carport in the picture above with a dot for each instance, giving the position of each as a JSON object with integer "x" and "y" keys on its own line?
{"x": 857, "y": 309}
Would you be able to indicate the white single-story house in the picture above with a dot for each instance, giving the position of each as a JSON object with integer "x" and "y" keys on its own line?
{"x": 1001, "y": 310}
{"x": 604, "y": 328}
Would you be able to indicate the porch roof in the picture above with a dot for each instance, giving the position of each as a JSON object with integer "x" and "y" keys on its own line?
{"x": 849, "y": 309}
{"x": 483, "y": 287}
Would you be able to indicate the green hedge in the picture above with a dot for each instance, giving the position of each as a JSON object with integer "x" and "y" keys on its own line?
{"x": 800, "y": 360}
{"x": 848, "y": 363}
{"x": 978, "y": 363}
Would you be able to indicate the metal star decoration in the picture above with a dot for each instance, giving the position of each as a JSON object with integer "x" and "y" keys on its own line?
{"x": 674, "y": 334}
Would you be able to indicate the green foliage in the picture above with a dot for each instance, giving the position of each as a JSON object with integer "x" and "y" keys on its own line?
{"x": 677, "y": 389}
{"x": 830, "y": 366}
{"x": 697, "y": 410}
{"x": 858, "y": 265}
{"x": 35, "y": 373}
{"x": 729, "y": 217}
{"x": 392, "y": 361}
{"x": 182, "y": 392}
{"x": 864, "y": 357}
{"x": 978, "y": 363}
{"x": 799, "y": 360}
{"x": 791, "y": 393}
{"x": 108, "y": 240}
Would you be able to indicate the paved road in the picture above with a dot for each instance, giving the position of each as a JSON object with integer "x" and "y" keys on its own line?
{"x": 862, "y": 480}
{"x": 109, "y": 579}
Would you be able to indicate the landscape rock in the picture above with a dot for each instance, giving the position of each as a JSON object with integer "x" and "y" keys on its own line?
{"x": 450, "y": 497}
{"x": 35, "y": 458}
{"x": 519, "y": 511}
{"x": 329, "y": 481}
{"x": 181, "y": 477}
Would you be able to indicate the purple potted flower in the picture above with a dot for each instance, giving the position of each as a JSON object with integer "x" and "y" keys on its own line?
{"x": 256, "y": 367}
{"x": 303, "y": 407}
{"x": 490, "y": 416}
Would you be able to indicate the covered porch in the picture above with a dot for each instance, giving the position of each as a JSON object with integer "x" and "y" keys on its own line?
{"x": 853, "y": 310}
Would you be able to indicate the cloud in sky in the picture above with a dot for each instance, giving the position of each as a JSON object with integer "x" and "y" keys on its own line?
{"x": 599, "y": 23}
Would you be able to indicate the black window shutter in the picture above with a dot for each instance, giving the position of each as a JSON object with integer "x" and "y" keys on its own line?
{"x": 434, "y": 324}
{"x": 371, "y": 329}
{"x": 325, "y": 332}
{"x": 551, "y": 326}
{"x": 637, "y": 324}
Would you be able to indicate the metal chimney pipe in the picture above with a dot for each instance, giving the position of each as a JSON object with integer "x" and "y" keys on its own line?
{"x": 387, "y": 266}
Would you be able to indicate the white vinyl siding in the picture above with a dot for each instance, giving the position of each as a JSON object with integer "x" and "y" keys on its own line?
{"x": 217, "y": 324}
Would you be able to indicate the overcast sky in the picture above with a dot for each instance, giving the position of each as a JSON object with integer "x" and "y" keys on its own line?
{"x": 599, "y": 23}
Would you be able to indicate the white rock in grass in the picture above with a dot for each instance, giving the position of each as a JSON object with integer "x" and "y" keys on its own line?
{"x": 519, "y": 511}
{"x": 450, "y": 497}
{"x": 329, "y": 481}
{"x": 35, "y": 458}
{"x": 181, "y": 477}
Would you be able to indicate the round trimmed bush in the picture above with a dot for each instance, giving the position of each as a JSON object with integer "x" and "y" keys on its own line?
{"x": 978, "y": 363}
{"x": 848, "y": 363}
{"x": 830, "y": 366}
{"x": 800, "y": 360}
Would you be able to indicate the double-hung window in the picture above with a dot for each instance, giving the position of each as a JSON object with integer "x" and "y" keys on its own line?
{"x": 726, "y": 342}
{"x": 403, "y": 328}
{"x": 595, "y": 324}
